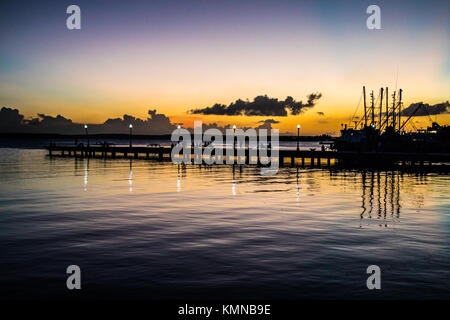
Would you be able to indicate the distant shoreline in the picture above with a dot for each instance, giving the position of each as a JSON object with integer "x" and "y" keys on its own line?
{"x": 47, "y": 136}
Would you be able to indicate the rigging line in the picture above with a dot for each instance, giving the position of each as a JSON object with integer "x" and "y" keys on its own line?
{"x": 377, "y": 100}
{"x": 429, "y": 114}
{"x": 357, "y": 106}
{"x": 368, "y": 109}
{"x": 375, "y": 104}
{"x": 413, "y": 125}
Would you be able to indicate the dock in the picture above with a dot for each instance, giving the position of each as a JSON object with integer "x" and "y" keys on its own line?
{"x": 312, "y": 158}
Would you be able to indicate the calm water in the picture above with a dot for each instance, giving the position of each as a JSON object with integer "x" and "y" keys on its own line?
{"x": 143, "y": 229}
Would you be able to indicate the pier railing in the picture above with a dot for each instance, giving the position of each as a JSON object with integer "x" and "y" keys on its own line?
{"x": 300, "y": 157}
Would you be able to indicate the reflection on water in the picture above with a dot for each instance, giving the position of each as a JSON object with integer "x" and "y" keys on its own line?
{"x": 130, "y": 178}
{"x": 86, "y": 172}
{"x": 143, "y": 229}
{"x": 380, "y": 198}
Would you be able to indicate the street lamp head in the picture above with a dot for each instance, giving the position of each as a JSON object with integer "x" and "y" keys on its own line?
{"x": 131, "y": 126}
{"x": 85, "y": 126}
{"x": 298, "y": 126}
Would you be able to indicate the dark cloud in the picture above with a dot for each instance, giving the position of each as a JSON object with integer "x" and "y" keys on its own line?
{"x": 268, "y": 121}
{"x": 261, "y": 106}
{"x": 49, "y": 121}
{"x": 425, "y": 109}
{"x": 10, "y": 118}
{"x": 267, "y": 124}
{"x": 156, "y": 123}
{"x": 264, "y": 124}
{"x": 12, "y": 121}
{"x": 213, "y": 125}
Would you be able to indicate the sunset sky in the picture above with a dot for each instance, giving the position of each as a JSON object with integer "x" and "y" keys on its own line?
{"x": 131, "y": 56}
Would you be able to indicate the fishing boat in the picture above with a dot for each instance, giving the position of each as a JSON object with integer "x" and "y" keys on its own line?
{"x": 384, "y": 131}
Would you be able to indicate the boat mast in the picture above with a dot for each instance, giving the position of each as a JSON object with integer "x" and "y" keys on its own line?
{"x": 365, "y": 108}
{"x": 399, "y": 109}
{"x": 373, "y": 109}
{"x": 387, "y": 107}
{"x": 381, "y": 106}
{"x": 393, "y": 111}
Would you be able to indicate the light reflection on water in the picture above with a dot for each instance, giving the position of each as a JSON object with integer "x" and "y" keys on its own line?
{"x": 144, "y": 229}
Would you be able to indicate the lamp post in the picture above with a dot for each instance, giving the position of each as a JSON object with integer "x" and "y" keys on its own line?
{"x": 298, "y": 137}
{"x": 131, "y": 134}
{"x": 87, "y": 135}
{"x": 234, "y": 136}
{"x": 179, "y": 127}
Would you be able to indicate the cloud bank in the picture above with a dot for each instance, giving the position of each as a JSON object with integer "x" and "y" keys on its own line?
{"x": 261, "y": 106}
{"x": 11, "y": 121}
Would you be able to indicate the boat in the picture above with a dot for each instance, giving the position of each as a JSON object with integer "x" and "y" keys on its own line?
{"x": 384, "y": 131}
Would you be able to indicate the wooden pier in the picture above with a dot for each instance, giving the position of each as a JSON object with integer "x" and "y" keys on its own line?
{"x": 311, "y": 158}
